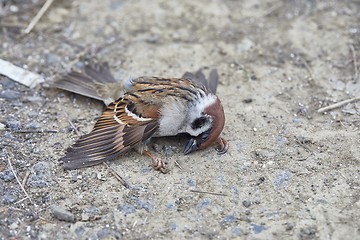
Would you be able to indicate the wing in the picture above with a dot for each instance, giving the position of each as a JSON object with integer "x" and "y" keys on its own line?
{"x": 120, "y": 128}
{"x": 200, "y": 79}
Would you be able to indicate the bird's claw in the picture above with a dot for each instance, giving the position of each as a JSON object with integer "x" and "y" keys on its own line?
{"x": 223, "y": 146}
{"x": 158, "y": 163}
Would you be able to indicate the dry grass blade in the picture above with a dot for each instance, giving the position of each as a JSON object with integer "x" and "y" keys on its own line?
{"x": 37, "y": 17}
{"x": 337, "y": 105}
{"x": 18, "y": 180}
{"x": 211, "y": 193}
{"x": 117, "y": 175}
{"x": 356, "y": 74}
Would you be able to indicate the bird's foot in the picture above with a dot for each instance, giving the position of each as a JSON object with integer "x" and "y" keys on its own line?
{"x": 158, "y": 163}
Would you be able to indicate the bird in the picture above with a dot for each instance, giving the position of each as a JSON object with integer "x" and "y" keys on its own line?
{"x": 138, "y": 109}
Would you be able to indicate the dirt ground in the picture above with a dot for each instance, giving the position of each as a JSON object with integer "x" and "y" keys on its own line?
{"x": 290, "y": 173}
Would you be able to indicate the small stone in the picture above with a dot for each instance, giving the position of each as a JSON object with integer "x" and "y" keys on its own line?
{"x": 10, "y": 195}
{"x": 32, "y": 114}
{"x": 32, "y": 125}
{"x": 90, "y": 214}
{"x": 9, "y": 94}
{"x": 6, "y": 83}
{"x": 126, "y": 208}
{"x": 40, "y": 175}
{"x": 191, "y": 183}
{"x": 289, "y": 226}
{"x": 7, "y": 176}
{"x": 2, "y": 126}
{"x": 168, "y": 151}
{"x": 62, "y": 214}
{"x": 35, "y": 99}
{"x": 12, "y": 123}
{"x": 100, "y": 177}
{"x": 52, "y": 58}
{"x": 282, "y": 179}
{"x": 247, "y": 100}
{"x": 204, "y": 203}
{"x": 246, "y": 203}
{"x": 152, "y": 39}
{"x": 146, "y": 205}
{"x": 230, "y": 219}
{"x": 13, "y": 226}
{"x": 80, "y": 231}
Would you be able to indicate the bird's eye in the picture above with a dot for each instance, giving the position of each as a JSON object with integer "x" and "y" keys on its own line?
{"x": 199, "y": 122}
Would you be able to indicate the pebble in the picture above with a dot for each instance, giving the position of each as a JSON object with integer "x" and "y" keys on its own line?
{"x": 13, "y": 226}
{"x": 173, "y": 226}
{"x": 35, "y": 99}
{"x": 62, "y": 214}
{"x": 7, "y": 83}
{"x": 257, "y": 228}
{"x": 32, "y": 114}
{"x": 236, "y": 231}
{"x": 52, "y": 58}
{"x": 191, "y": 183}
{"x": 7, "y": 176}
{"x": 204, "y": 203}
{"x": 246, "y": 203}
{"x": 40, "y": 175}
{"x": 2, "y": 126}
{"x": 146, "y": 205}
{"x": 282, "y": 179}
{"x": 289, "y": 226}
{"x": 126, "y": 208}
{"x": 12, "y": 123}
{"x": 90, "y": 213}
{"x": 10, "y": 196}
{"x": 230, "y": 219}
{"x": 80, "y": 231}
{"x": 168, "y": 151}
{"x": 9, "y": 94}
{"x": 32, "y": 125}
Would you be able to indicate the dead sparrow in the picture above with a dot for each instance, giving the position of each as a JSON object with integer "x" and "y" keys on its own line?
{"x": 142, "y": 108}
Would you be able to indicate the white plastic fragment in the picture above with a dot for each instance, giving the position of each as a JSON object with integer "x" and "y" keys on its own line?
{"x": 19, "y": 74}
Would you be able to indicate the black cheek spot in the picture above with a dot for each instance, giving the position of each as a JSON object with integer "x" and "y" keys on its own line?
{"x": 198, "y": 123}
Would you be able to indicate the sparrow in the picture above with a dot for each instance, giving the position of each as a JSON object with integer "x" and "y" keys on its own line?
{"x": 141, "y": 108}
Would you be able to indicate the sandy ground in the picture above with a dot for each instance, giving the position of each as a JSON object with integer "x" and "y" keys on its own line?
{"x": 290, "y": 173}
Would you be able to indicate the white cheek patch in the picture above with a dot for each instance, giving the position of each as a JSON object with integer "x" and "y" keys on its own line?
{"x": 198, "y": 131}
{"x": 172, "y": 118}
{"x": 197, "y": 111}
{"x": 177, "y": 116}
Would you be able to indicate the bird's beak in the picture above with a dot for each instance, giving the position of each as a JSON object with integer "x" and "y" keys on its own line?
{"x": 191, "y": 146}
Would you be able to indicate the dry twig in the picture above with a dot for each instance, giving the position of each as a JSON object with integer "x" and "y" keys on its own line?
{"x": 75, "y": 129}
{"x": 117, "y": 175}
{"x": 211, "y": 193}
{"x": 37, "y": 17}
{"x": 18, "y": 180}
{"x": 35, "y": 131}
{"x": 337, "y": 105}
{"x": 356, "y": 74}
{"x": 178, "y": 164}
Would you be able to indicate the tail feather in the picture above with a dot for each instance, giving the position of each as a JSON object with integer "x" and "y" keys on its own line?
{"x": 210, "y": 84}
{"x": 93, "y": 82}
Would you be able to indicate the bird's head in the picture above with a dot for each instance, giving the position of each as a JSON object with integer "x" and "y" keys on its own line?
{"x": 207, "y": 121}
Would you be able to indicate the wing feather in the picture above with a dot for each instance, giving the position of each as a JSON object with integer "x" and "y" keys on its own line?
{"x": 109, "y": 138}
